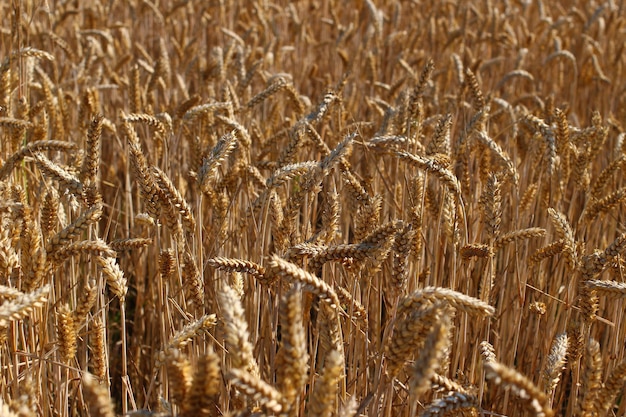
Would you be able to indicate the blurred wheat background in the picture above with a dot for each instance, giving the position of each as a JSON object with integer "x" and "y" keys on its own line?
{"x": 312, "y": 208}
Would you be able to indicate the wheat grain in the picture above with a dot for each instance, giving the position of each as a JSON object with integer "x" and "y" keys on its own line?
{"x": 23, "y": 305}
{"x": 528, "y": 394}
{"x": 292, "y": 358}
{"x": 612, "y": 289}
{"x": 240, "y": 350}
{"x": 455, "y": 402}
{"x": 258, "y": 390}
{"x": 97, "y": 397}
{"x": 323, "y": 401}
{"x": 555, "y": 364}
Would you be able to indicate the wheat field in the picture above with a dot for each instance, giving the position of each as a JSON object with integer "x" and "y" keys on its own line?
{"x": 312, "y": 208}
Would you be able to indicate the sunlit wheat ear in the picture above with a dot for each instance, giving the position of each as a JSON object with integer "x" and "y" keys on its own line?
{"x": 293, "y": 273}
{"x": 358, "y": 252}
{"x": 171, "y": 193}
{"x": 338, "y": 153}
{"x": 546, "y": 133}
{"x": 591, "y": 378}
{"x": 207, "y": 174}
{"x": 430, "y": 357}
{"x": 442, "y": 383}
{"x": 98, "y": 340}
{"x": 242, "y": 133}
{"x": 416, "y": 95}
{"x": 477, "y": 95}
{"x": 564, "y": 231}
{"x": 528, "y": 197}
{"x": 604, "y": 205}
{"x": 330, "y": 333}
{"x": 9, "y": 411}
{"x": 145, "y": 119}
{"x": 440, "y": 143}
{"x": 121, "y": 245}
{"x": 256, "y": 389}
{"x": 575, "y": 342}
{"x": 402, "y": 245}
{"x": 455, "y": 299}
{"x": 610, "y": 389}
{"x": 614, "y": 249}
{"x": 487, "y": 352}
{"x": 57, "y": 173}
{"x": 356, "y": 192}
{"x": 240, "y": 350}
{"x": 192, "y": 280}
{"x": 75, "y": 229}
{"x": 518, "y": 235}
{"x": 91, "y": 162}
{"x": 33, "y": 254}
{"x": 86, "y": 247}
{"x": 367, "y": 215}
{"x": 29, "y": 149}
{"x": 276, "y": 84}
{"x": 555, "y": 364}
{"x": 330, "y": 219}
{"x": 49, "y": 212}
{"x": 9, "y": 293}
{"x": 179, "y": 374}
{"x": 97, "y": 397}
{"x": 167, "y": 263}
{"x": 451, "y": 404}
{"x": 526, "y": 392}
{"x": 114, "y": 276}
{"x": 195, "y": 112}
{"x": 611, "y": 289}
{"x": 182, "y": 337}
{"x": 409, "y": 334}
{"x": 604, "y": 178}
{"x": 448, "y": 178}
{"x": 506, "y": 164}
{"x": 21, "y": 306}
{"x": 548, "y": 251}
{"x": 202, "y": 395}
{"x": 491, "y": 206}
{"x": 351, "y": 305}
{"x": 66, "y": 333}
{"x": 323, "y": 402}
{"x": 243, "y": 266}
{"x": 292, "y": 358}
{"x": 148, "y": 186}
{"x": 476, "y": 250}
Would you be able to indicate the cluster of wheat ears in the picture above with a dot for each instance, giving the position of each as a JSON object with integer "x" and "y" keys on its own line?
{"x": 315, "y": 208}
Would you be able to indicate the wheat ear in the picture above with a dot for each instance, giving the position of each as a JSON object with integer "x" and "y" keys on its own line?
{"x": 22, "y": 305}
{"x": 256, "y": 389}
{"x": 611, "y": 389}
{"x": 202, "y": 396}
{"x": 240, "y": 350}
{"x": 292, "y": 358}
{"x": 527, "y": 393}
{"x": 555, "y": 364}
{"x": 97, "y": 397}
{"x": 430, "y": 357}
{"x": 451, "y": 404}
{"x": 591, "y": 379}
{"x": 294, "y": 273}
{"x": 183, "y": 336}
{"x": 455, "y": 299}
{"x": 323, "y": 401}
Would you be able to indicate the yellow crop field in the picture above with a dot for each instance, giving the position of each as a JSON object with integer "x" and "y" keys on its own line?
{"x": 312, "y": 208}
